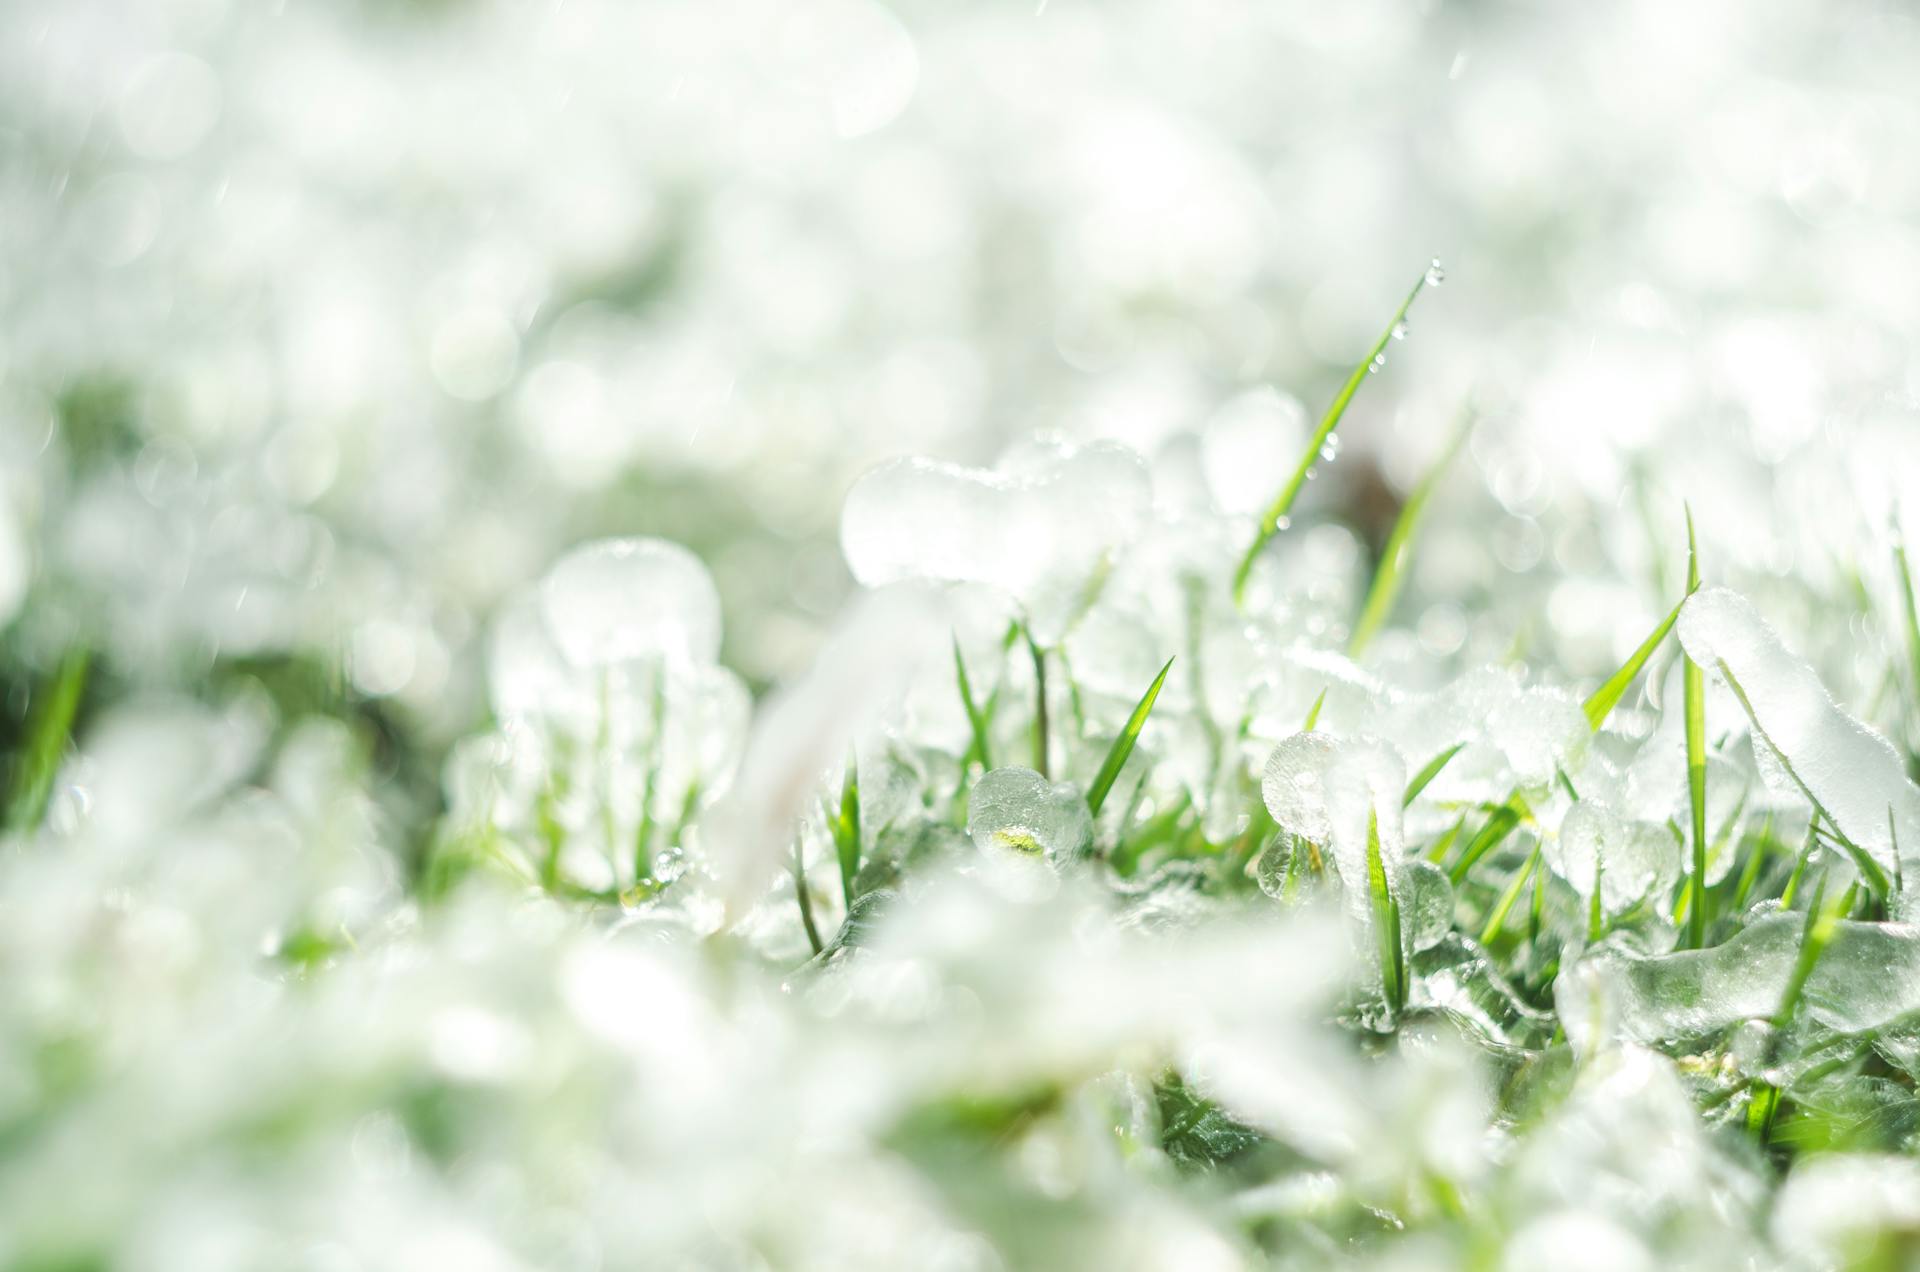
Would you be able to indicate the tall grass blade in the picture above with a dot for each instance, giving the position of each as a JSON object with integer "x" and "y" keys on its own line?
{"x": 1498, "y": 827}
{"x": 1123, "y": 745}
{"x": 49, "y": 727}
{"x": 1394, "y": 558}
{"x": 1040, "y": 744}
{"x": 976, "y": 719}
{"x": 1910, "y": 611}
{"x": 1275, "y": 515}
{"x": 1508, "y": 898}
{"x": 1386, "y": 918}
{"x": 846, "y": 828}
{"x": 1604, "y": 699}
{"x": 1313, "y": 713}
{"x": 1694, "y": 693}
{"x": 1428, "y": 772}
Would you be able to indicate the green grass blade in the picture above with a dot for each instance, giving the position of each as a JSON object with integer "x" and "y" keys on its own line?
{"x": 1313, "y": 714}
{"x": 1394, "y": 558}
{"x": 1814, "y": 939}
{"x": 1427, "y": 773}
{"x": 846, "y": 829}
{"x": 1276, "y": 513}
{"x": 804, "y": 899}
{"x": 1491, "y": 835}
{"x": 1694, "y": 686}
{"x": 1041, "y": 749}
{"x": 49, "y": 727}
{"x": 1910, "y": 612}
{"x": 1607, "y": 696}
{"x": 1508, "y": 898}
{"x": 976, "y": 719}
{"x": 1123, "y": 745}
{"x": 1386, "y": 918}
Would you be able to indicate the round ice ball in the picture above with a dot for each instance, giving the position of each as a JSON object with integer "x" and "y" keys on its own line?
{"x": 1018, "y": 811}
{"x": 615, "y": 600}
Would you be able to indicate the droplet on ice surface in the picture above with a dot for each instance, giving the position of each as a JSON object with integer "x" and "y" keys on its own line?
{"x": 1853, "y": 773}
{"x": 615, "y": 600}
{"x": 1018, "y": 811}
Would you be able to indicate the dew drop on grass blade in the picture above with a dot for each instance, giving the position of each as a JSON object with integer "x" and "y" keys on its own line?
{"x": 1123, "y": 745}
{"x": 1276, "y": 513}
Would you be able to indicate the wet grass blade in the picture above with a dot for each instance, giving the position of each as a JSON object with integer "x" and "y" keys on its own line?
{"x": 845, "y": 824}
{"x": 1386, "y": 919}
{"x": 976, "y": 719}
{"x": 1394, "y": 558}
{"x": 1276, "y": 514}
{"x": 1604, "y": 699}
{"x": 49, "y": 727}
{"x": 1313, "y": 713}
{"x": 1498, "y": 827}
{"x": 1910, "y": 612}
{"x": 1123, "y": 745}
{"x": 1694, "y": 693}
{"x": 1428, "y": 772}
{"x": 1508, "y": 898}
{"x": 1041, "y": 749}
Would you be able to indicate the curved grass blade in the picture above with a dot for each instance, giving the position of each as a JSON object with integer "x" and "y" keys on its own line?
{"x": 1694, "y": 687}
{"x": 1276, "y": 513}
{"x": 846, "y": 828}
{"x": 976, "y": 719}
{"x": 1313, "y": 714}
{"x": 1508, "y": 898}
{"x": 1391, "y": 571}
{"x": 1498, "y": 827}
{"x": 1604, "y": 699}
{"x": 1386, "y": 919}
{"x": 48, "y": 729}
{"x": 1123, "y": 745}
{"x": 1428, "y": 772}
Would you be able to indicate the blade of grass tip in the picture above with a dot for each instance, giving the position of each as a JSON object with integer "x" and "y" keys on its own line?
{"x": 1385, "y": 917}
{"x": 1274, "y": 519}
{"x": 846, "y": 828}
{"x": 1694, "y": 692}
{"x": 1040, "y": 747}
{"x": 1313, "y": 713}
{"x": 1911, "y": 611}
{"x": 1750, "y": 873}
{"x": 1498, "y": 827}
{"x": 1442, "y": 845}
{"x": 1123, "y": 745}
{"x": 1815, "y": 934}
{"x": 804, "y": 899}
{"x": 1599, "y": 706}
{"x": 1509, "y": 898}
{"x": 1428, "y": 772}
{"x": 49, "y": 728}
{"x": 976, "y": 720}
{"x": 1800, "y": 865}
{"x": 1394, "y": 557}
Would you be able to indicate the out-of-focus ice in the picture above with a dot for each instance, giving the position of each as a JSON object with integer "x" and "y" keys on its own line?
{"x": 1851, "y": 772}
{"x": 1038, "y": 526}
{"x": 618, "y": 600}
{"x": 1016, "y": 810}
{"x": 1629, "y": 860}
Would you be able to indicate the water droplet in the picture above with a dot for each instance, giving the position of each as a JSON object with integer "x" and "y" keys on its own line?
{"x": 1435, "y": 274}
{"x": 1283, "y": 523}
{"x": 1399, "y": 330}
{"x": 1315, "y": 472}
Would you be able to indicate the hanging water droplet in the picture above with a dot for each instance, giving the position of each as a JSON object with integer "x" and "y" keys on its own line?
{"x": 1283, "y": 523}
{"x": 1330, "y": 449}
{"x": 1379, "y": 360}
{"x": 1435, "y": 274}
{"x": 1399, "y": 331}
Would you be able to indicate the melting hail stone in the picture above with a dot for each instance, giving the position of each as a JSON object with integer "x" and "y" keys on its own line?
{"x": 1037, "y": 526}
{"x": 1016, "y": 810}
{"x": 1630, "y": 859}
{"x": 1852, "y": 773}
{"x": 617, "y": 600}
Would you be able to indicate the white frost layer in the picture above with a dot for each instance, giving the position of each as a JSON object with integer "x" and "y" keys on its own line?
{"x": 1853, "y": 773}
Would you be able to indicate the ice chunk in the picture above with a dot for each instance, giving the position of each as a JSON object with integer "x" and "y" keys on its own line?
{"x": 1017, "y": 810}
{"x": 1338, "y": 793}
{"x": 1834, "y": 1211}
{"x": 1429, "y": 905}
{"x": 1630, "y": 858}
{"x": 1036, "y": 527}
{"x": 1852, "y": 773}
{"x": 1868, "y": 975}
{"x": 616, "y": 600}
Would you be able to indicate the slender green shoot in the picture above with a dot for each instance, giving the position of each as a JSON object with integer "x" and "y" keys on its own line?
{"x": 1429, "y": 771}
{"x": 1509, "y": 898}
{"x": 1274, "y": 519}
{"x": 1123, "y": 745}
{"x": 1694, "y": 689}
{"x": 1313, "y": 712}
{"x": 805, "y": 899}
{"x": 1604, "y": 699}
{"x": 976, "y": 719}
{"x": 1815, "y": 935}
{"x": 1386, "y": 919}
{"x": 1909, "y": 611}
{"x": 845, "y": 825}
{"x": 49, "y": 727}
{"x": 1750, "y": 873}
{"x": 1398, "y": 553}
{"x": 1501, "y": 824}
{"x": 1040, "y": 747}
